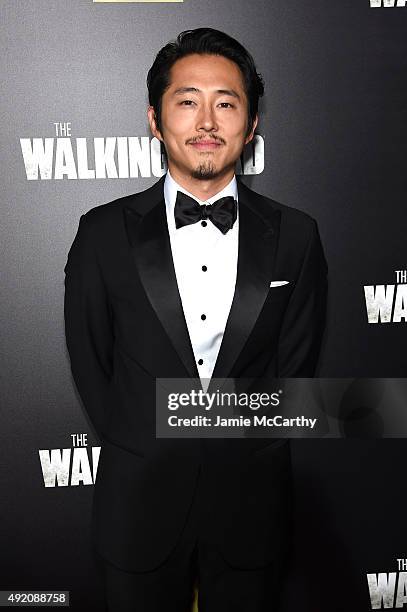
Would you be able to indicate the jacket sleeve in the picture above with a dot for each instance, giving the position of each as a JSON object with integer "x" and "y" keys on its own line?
{"x": 88, "y": 325}
{"x": 304, "y": 320}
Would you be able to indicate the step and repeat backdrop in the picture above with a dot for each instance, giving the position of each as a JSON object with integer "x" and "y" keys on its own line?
{"x": 331, "y": 141}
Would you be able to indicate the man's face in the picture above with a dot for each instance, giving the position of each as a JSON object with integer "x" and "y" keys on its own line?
{"x": 204, "y": 117}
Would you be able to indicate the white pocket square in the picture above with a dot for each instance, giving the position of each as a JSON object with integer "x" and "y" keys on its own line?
{"x": 278, "y": 283}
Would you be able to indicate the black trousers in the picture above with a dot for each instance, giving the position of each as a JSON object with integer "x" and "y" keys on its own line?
{"x": 194, "y": 562}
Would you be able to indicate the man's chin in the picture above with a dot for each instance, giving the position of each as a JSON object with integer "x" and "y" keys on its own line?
{"x": 205, "y": 172}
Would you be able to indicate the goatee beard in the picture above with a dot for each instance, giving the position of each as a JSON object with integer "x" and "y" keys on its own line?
{"x": 205, "y": 171}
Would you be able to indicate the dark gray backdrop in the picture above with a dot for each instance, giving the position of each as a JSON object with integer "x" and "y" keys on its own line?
{"x": 334, "y": 126}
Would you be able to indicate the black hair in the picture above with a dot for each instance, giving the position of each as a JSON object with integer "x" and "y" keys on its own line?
{"x": 203, "y": 41}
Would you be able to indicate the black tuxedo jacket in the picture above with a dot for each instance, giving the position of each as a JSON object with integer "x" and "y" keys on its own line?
{"x": 125, "y": 327}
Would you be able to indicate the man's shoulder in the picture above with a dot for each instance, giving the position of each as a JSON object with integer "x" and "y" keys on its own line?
{"x": 109, "y": 212}
{"x": 292, "y": 218}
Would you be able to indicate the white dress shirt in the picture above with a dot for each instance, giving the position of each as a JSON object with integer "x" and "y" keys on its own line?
{"x": 204, "y": 293}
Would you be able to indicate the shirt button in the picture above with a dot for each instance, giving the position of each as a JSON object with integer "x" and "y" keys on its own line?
{"x": 200, "y": 361}
{"x": 203, "y": 317}
{"x": 204, "y": 223}
{"x": 204, "y": 268}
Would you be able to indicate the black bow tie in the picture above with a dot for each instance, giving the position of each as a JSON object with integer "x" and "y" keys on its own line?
{"x": 222, "y": 213}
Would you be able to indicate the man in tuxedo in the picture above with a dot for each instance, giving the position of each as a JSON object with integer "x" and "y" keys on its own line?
{"x": 196, "y": 277}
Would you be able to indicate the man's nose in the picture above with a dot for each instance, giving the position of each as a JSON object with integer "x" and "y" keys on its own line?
{"x": 206, "y": 118}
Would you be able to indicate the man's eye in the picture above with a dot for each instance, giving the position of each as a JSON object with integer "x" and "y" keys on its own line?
{"x": 226, "y": 105}
{"x": 187, "y": 102}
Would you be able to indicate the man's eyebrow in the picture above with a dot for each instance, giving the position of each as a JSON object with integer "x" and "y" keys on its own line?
{"x": 226, "y": 92}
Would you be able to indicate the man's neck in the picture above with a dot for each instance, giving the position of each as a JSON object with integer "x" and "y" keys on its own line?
{"x": 202, "y": 189}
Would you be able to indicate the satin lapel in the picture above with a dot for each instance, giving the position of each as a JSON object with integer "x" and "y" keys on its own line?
{"x": 259, "y": 226}
{"x": 150, "y": 241}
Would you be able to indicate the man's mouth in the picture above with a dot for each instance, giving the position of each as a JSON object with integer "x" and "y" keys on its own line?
{"x": 208, "y": 145}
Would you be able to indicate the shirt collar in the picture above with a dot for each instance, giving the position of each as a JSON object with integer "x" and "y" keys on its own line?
{"x": 170, "y": 194}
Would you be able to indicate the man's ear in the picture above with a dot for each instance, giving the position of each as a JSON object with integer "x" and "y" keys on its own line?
{"x": 153, "y": 123}
{"x": 249, "y": 137}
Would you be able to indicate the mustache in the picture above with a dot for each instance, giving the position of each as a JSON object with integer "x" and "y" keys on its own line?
{"x": 208, "y": 138}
